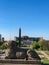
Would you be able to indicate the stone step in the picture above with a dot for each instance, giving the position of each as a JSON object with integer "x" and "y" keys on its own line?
{"x": 20, "y": 62}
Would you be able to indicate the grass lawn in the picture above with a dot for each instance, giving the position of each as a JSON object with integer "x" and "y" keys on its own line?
{"x": 39, "y": 53}
{"x": 25, "y": 47}
{"x": 44, "y": 61}
{"x": 47, "y": 52}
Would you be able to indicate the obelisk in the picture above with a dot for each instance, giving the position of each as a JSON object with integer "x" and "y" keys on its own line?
{"x": 19, "y": 37}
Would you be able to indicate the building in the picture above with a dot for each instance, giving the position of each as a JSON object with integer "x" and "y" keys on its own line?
{"x": 15, "y": 38}
{"x": 26, "y": 40}
{"x": 0, "y": 37}
{"x": 3, "y": 39}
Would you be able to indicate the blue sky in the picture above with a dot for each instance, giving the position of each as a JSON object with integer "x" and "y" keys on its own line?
{"x": 31, "y": 15}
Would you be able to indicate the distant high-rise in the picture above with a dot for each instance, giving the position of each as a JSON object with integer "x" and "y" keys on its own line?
{"x": 15, "y": 38}
{"x": 0, "y": 37}
{"x": 19, "y": 36}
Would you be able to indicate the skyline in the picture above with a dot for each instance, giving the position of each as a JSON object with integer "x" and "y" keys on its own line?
{"x": 31, "y": 15}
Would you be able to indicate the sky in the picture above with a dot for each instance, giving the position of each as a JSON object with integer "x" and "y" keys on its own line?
{"x": 31, "y": 15}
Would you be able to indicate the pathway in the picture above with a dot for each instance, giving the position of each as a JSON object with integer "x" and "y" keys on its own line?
{"x": 46, "y": 56}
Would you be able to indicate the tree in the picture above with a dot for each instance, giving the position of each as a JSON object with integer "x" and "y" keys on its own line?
{"x": 43, "y": 44}
{"x": 3, "y": 46}
{"x": 35, "y": 45}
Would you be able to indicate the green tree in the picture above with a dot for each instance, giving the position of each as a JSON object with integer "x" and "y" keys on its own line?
{"x": 43, "y": 44}
{"x": 3, "y": 46}
{"x": 35, "y": 45}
